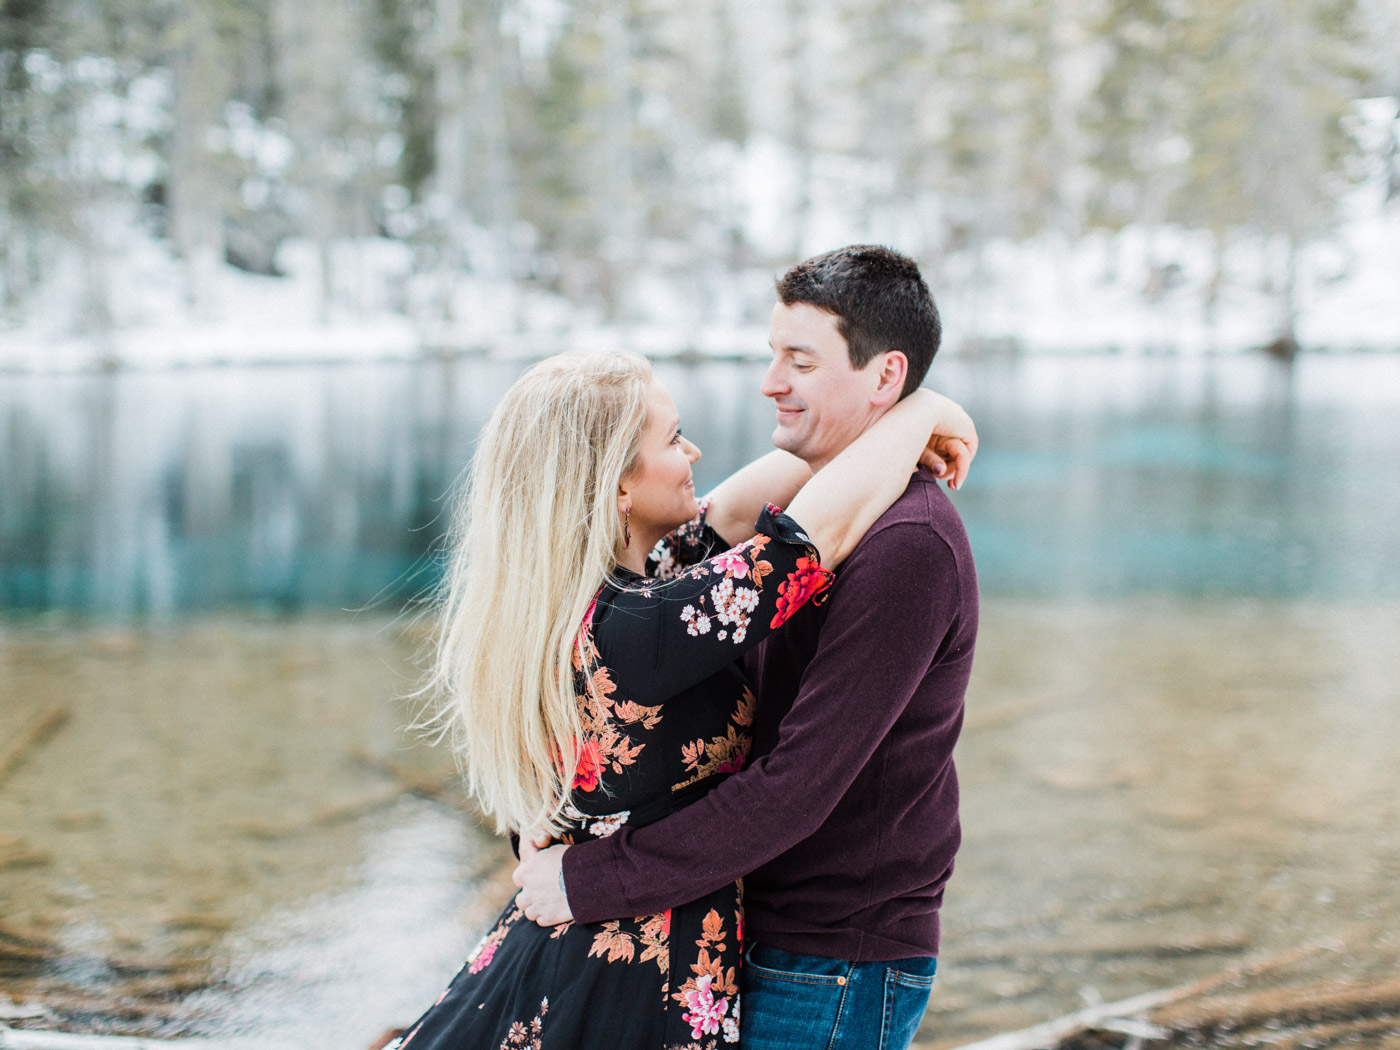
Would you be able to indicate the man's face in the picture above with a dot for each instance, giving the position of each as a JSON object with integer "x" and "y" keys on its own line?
{"x": 823, "y": 403}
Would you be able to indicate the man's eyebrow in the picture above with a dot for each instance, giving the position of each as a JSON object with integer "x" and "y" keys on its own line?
{"x": 796, "y": 348}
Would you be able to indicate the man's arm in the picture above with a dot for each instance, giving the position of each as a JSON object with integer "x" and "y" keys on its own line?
{"x": 892, "y": 608}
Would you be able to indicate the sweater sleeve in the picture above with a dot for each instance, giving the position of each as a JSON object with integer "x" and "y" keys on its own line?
{"x": 891, "y": 611}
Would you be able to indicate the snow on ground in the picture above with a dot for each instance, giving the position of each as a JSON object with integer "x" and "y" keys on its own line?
{"x": 1047, "y": 295}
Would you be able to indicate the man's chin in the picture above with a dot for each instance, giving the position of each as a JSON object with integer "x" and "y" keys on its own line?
{"x": 785, "y": 439}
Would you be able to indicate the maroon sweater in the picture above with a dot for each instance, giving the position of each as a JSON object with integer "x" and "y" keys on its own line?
{"x": 845, "y": 821}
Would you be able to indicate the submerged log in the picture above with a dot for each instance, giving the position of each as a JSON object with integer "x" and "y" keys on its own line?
{"x": 26, "y": 1039}
{"x": 435, "y": 787}
{"x": 30, "y": 736}
{"x": 16, "y": 853}
{"x": 24, "y": 951}
{"x": 333, "y": 814}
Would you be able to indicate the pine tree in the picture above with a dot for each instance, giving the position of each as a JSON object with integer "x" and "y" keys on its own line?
{"x": 1136, "y": 114}
{"x": 35, "y": 125}
{"x": 1270, "y": 148}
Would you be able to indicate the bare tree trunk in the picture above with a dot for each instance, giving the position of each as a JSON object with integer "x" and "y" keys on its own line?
{"x": 801, "y": 102}
{"x": 316, "y": 45}
{"x": 1210, "y": 305}
{"x": 1287, "y": 325}
{"x": 622, "y": 228}
{"x": 194, "y": 191}
{"x": 451, "y": 139}
{"x": 493, "y": 75}
{"x": 95, "y": 309}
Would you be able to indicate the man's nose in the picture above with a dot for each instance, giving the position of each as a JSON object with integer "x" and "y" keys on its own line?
{"x": 774, "y": 382}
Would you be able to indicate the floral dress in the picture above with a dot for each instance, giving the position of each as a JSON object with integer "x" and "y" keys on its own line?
{"x": 669, "y": 715}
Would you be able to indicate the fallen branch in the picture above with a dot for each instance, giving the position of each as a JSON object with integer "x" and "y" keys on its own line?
{"x": 1157, "y": 949}
{"x": 1309, "y": 1005}
{"x": 1051, "y": 1034}
{"x": 30, "y": 737}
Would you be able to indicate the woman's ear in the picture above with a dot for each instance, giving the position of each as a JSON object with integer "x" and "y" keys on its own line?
{"x": 889, "y": 385}
{"x": 624, "y": 499}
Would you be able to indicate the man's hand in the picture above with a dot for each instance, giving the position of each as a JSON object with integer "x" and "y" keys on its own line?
{"x": 538, "y": 875}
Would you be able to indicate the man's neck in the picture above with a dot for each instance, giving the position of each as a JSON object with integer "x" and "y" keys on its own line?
{"x": 817, "y": 463}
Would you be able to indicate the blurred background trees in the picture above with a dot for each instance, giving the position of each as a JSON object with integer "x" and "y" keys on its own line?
{"x": 587, "y": 148}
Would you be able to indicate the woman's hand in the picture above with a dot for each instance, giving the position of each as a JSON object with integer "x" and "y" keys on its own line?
{"x": 944, "y": 450}
{"x": 953, "y": 443}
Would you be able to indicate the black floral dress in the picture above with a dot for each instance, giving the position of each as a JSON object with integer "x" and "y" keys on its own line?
{"x": 669, "y": 716}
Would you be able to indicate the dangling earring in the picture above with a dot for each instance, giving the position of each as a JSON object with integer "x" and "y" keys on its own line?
{"x": 627, "y": 527}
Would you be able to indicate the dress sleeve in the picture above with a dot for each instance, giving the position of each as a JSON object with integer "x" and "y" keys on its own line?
{"x": 688, "y": 545}
{"x": 662, "y": 636}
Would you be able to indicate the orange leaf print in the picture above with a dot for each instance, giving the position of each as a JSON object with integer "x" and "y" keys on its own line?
{"x": 760, "y": 569}
{"x": 612, "y": 941}
{"x": 743, "y": 714}
{"x": 603, "y": 683}
{"x": 713, "y": 926}
{"x": 691, "y": 753}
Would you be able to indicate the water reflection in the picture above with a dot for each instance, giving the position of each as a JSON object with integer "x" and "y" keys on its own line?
{"x": 307, "y": 487}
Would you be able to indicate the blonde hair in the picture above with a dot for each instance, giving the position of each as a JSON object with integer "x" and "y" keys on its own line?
{"x": 535, "y": 534}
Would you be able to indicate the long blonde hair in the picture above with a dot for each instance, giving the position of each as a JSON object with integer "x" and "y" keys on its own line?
{"x": 535, "y": 534}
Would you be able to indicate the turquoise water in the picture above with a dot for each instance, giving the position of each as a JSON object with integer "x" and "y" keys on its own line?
{"x": 305, "y": 488}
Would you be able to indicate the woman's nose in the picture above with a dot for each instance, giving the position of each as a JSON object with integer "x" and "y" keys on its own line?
{"x": 692, "y": 450}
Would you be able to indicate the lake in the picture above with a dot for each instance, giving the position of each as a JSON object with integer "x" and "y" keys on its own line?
{"x": 1181, "y": 736}
{"x": 301, "y": 488}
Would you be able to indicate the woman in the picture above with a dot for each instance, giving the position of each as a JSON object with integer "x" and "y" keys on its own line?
{"x": 587, "y": 690}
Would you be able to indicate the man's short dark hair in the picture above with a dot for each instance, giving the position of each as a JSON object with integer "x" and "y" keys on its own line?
{"x": 880, "y": 301}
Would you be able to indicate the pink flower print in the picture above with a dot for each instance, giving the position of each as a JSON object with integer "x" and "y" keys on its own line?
{"x": 735, "y": 763}
{"x": 705, "y": 1013}
{"x": 484, "y": 959}
{"x": 732, "y": 564}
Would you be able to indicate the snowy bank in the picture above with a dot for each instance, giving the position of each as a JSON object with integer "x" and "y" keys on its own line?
{"x": 1133, "y": 292}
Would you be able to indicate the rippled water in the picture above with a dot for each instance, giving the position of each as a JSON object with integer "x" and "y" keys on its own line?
{"x": 1181, "y": 737}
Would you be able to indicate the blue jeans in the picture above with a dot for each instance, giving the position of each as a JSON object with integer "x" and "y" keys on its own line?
{"x": 806, "y": 1002}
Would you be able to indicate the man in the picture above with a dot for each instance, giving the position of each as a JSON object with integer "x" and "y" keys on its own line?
{"x": 845, "y": 820}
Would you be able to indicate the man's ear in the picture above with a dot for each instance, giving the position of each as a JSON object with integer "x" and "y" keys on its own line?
{"x": 889, "y": 384}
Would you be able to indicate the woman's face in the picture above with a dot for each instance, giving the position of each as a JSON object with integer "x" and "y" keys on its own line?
{"x": 660, "y": 489}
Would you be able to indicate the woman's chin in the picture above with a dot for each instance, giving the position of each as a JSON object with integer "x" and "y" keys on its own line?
{"x": 692, "y": 509}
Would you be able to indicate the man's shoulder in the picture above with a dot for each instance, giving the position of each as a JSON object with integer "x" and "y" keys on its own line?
{"x": 922, "y": 516}
{"x": 919, "y": 544}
